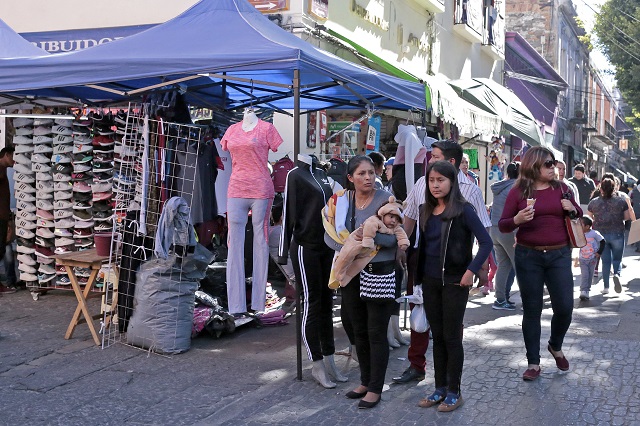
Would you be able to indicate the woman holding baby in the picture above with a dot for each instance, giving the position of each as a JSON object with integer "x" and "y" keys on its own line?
{"x": 537, "y": 206}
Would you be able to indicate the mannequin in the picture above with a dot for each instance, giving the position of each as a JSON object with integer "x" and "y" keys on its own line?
{"x": 250, "y": 120}
{"x": 306, "y": 192}
{"x": 408, "y": 165}
{"x": 250, "y": 189}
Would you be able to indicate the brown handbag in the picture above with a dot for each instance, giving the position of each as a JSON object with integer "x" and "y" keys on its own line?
{"x": 574, "y": 225}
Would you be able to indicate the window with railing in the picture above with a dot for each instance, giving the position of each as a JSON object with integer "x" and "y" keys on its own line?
{"x": 494, "y": 26}
{"x": 609, "y": 131}
{"x": 469, "y": 12}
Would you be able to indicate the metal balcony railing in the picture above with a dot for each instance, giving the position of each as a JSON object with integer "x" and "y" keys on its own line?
{"x": 469, "y": 12}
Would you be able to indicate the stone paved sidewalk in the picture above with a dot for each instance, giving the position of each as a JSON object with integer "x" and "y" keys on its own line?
{"x": 249, "y": 377}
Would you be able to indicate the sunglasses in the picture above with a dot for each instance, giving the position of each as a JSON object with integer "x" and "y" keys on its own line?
{"x": 549, "y": 164}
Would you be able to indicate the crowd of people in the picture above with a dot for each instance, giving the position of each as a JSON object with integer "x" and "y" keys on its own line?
{"x": 521, "y": 236}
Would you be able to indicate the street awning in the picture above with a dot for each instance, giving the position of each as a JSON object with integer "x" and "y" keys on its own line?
{"x": 496, "y": 99}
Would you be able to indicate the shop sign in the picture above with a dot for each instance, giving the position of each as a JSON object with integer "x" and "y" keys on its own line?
{"x": 373, "y": 133}
{"x": 369, "y": 16}
{"x": 336, "y": 126}
{"x": 319, "y": 8}
{"x": 270, "y": 6}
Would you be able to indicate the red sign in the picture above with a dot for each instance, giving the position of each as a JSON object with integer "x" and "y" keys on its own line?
{"x": 270, "y": 6}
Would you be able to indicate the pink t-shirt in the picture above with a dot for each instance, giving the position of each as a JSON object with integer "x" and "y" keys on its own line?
{"x": 250, "y": 176}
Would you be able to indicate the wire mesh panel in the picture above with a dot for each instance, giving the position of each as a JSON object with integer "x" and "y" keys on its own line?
{"x": 158, "y": 161}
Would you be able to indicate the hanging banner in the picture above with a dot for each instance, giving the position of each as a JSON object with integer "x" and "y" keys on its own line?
{"x": 323, "y": 125}
{"x": 311, "y": 130}
{"x": 319, "y": 8}
{"x": 473, "y": 158}
{"x": 336, "y": 126}
{"x": 270, "y": 6}
{"x": 373, "y": 133}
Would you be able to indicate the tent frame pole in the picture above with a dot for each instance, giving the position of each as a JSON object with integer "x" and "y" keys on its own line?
{"x": 296, "y": 151}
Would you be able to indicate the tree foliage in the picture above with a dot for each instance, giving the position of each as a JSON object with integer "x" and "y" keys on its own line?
{"x": 618, "y": 30}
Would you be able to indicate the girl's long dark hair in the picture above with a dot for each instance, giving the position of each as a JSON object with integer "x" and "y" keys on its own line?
{"x": 454, "y": 201}
{"x": 607, "y": 188}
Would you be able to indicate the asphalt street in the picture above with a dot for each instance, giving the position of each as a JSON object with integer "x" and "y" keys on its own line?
{"x": 249, "y": 377}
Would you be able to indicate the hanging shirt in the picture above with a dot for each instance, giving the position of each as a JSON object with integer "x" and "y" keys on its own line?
{"x": 250, "y": 177}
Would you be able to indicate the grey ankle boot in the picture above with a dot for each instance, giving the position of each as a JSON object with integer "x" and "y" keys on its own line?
{"x": 320, "y": 374}
{"x": 332, "y": 369}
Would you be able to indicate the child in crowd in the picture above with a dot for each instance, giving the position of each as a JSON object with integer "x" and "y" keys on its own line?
{"x": 360, "y": 248}
{"x": 589, "y": 256}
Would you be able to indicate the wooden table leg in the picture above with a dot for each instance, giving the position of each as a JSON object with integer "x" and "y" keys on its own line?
{"x": 82, "y": 304}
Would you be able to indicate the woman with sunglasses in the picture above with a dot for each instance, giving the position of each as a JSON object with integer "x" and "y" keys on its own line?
{"x": 536, "y": 206}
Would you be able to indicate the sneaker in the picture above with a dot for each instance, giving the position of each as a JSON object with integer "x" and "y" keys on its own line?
{"x": 62, "y": 232}
{"x": 63, "y": 186}
{"x": 44, "y": 205}
{"x": 22, "y": 177}
{"x": 81, "y": 205}
{"x": 23, "y": 205}
{"x": 42, "y": 176}
{"x": 26, "y": 259}
{"x": 63, "y": 280}
{"x": 65, "y": 169}
{"x": 22, "y": 122}
{"x": 82, "y": 167}
{"x": 45, "y": 242}
{"x": 22, "y": 140}
{"x": 66, "y": 122}
{"x": 120, "y": 118}
{"x": 44, "y": 278}
{"x": 21, "y": 168}
{"x": 62, "y": 204}
{"x": 44, "y": 233}
{"x": 62, "y": 149}
{"x": 82, "y": 233}
{"x": 25, "y": 149}
{"x": 60, "y": 269}
{"x": 42, "y": 140}
{"x": 101, "y": 196}
{"x": 45, "y": 252}
{"x": 616, "y": 283}
{"x": 25, "y": 196}
{"x": 82, "y": 149}
{"x": 102, "y": 219}
{"x": 40, "y": 167}
{"x": 82, "y": 196}
{"x": 46, "y": 196}
{"x": 103, "y": 227}
{"x": 102, "y": 167}
{"x": 81, "y": 131}
{"x": 81, "y": 186}
{"x": 103, "y": 177}
{"x": 44, "y": 260}
{"x": 65, "y": 223}
{"x": 42, "y": 149}
{"x": 83, "y": 224}
{"x": 82, "y": 215}
{"x": 60, "y": 177}
{"x": 45, "y": 223}
{"x": 101, "y": 187}
{"x": 23, "y": 214}
{"x": 81, "y": 176}
{"x": 62, "y": 139}
{"x": 63, "y": 241}
{"x": 61, "y": 159}
{"x": 584, "y": 295}
{"x": 101, "y": 207}
{"x": 605, "y": 291}
{"x": 83, "y": 243}
{"x": 44, "y": 214}
{"x": 24, "y": 131}
{"x": 82, "y": 158}
{"x": 82, "y": 123}
{"x": 62, "y": 130}
{"x": 25, "y": 224}
{"x": 62, "y": 195}
{"x": 45, "y": 186}
{"x": 61, "y": 214}
{"x": 42, "y": 131}
{"x": 27, "y": 277}
{"x": 24, "y": 249}
{"x": 22, "y": 159}
{"x": 504, "y": 305}
{"x": 47, "y": 269}
{"x": 24, "y": 187}
{"x": 22, "y": 267}
{"x": 43, "y": 122}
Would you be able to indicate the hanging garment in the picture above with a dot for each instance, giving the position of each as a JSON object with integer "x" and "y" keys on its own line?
{"x": 187, "y": 183}
{"x": 174, "y": 227}
{"x": 280, "y": 170}
{"x": 338, "y": 171}
{"x": 409, "y": 160}
{"x": 208, "y": 173}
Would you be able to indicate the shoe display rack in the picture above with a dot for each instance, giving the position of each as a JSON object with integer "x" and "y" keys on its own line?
{"x": 63, "y": 189}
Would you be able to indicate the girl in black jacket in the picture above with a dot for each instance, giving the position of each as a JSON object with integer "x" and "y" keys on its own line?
{"x": 446, "y": 266}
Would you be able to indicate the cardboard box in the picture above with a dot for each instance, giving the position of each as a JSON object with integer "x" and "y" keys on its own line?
{"x": 634, "y": 233}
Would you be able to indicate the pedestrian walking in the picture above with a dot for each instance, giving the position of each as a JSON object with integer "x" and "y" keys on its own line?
{"x": 536, "y": 206}
{"x": 446, "y": 268}
{"x": 589, "y": 256}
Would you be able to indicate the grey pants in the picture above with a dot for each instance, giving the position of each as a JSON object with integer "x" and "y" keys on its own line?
{"x": 505, "y": 259}
{"x": 237, "y": 214}
{"x": 586, "y": 273}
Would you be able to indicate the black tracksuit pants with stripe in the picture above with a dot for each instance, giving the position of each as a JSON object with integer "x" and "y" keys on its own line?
{"x": 312, "y": 269}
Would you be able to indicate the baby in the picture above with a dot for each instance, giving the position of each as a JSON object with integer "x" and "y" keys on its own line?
{"x": 359, "y": 248}
{"x": 387, "y": 221}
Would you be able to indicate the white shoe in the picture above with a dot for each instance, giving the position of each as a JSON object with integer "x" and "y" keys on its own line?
{"x": 584, "y": 295}
{"x": 605, "y": 291}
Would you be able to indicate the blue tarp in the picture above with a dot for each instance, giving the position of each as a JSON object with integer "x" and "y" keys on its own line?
{"x": 14, "y": 46}
{"x": 213, "y": 36}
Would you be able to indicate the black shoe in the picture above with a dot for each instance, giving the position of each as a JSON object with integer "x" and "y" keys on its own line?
{"x": 355, "y": 395}
{"x": 409, "y": 375}
{"x": 367, "y": 404}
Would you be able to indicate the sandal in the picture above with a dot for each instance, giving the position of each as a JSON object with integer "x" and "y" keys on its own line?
{"x": 451, "y": 402}
{"x": 434, "y": 399}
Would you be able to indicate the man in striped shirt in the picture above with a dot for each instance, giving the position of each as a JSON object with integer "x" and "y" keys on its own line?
{"x": 450, "y": 151}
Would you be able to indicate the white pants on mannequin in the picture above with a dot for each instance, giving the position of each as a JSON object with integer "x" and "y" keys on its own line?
{"x": 237, "y": 214}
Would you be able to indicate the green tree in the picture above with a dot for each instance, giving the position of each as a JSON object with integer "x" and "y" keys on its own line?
{"x": 618, "y": 30}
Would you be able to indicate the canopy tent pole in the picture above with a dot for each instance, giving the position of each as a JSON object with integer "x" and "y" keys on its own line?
{"x": 296, "y": 151}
